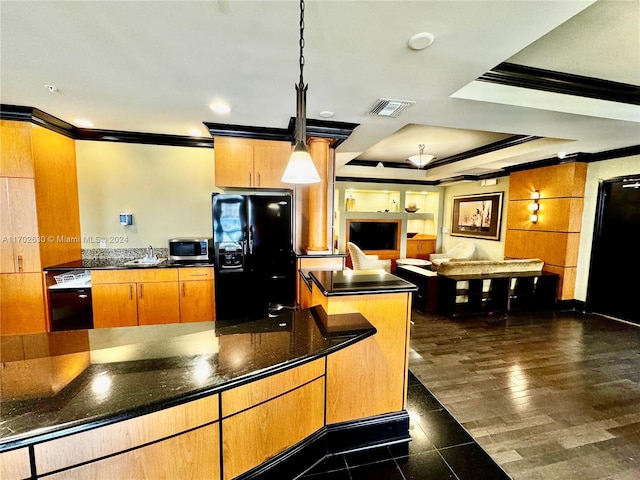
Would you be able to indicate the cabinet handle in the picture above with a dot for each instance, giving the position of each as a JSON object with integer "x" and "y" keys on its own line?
{"x": 141, "y": 291}
{"x": 258, "y": 179}
{"x": 197, "y": 274}
{"x": 130, "y": 292}
{"x": 184, "y": 292}
{"x": 19, "y": 266}
{"x": 249, "y": 178}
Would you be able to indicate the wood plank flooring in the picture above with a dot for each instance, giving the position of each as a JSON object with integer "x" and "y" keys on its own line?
{"x": 548, "y": 395}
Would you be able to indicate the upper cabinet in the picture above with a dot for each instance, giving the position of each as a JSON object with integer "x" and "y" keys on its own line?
{"x": 39, "y": 217}
{"x": 251, "y": 163}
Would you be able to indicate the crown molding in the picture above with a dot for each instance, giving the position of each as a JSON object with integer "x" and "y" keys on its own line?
{"x": 565, "y": 83}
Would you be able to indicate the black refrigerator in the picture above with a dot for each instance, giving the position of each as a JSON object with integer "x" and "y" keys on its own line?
{"x": 255, "y": 264}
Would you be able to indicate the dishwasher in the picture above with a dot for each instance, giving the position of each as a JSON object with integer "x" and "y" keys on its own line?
{"x": 70, "y": 305}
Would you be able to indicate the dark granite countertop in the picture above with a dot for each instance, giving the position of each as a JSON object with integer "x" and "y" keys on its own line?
{"x": 54, "y": 384}
{"x": 359, "y": 282}
{"x": 117, "y": 263}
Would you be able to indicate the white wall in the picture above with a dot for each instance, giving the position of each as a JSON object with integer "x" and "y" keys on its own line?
{"x": 597, "y": 171}
{"x": 485, "y": 249}
{"x": 168, "y": 190}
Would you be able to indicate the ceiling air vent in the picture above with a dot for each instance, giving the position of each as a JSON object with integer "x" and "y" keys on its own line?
{"x": 386, "y": 107}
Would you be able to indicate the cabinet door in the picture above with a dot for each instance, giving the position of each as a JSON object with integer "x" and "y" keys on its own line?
{"x": 114, "y": 305}
{"x": 22, "y": 306}
{"x": 158, "y": 303}
{"x": 412, "y": 249}
{"x": 233, "y": 162}
{"x": 20, "y": 243}
{"x": 16, "y": 159}
{"x": 269, "y": 162}
{"x": 197, "y": 301}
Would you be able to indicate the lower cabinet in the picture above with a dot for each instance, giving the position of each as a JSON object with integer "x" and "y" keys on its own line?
{"x": 152, "y": 296}
{"x": 421, "y": 246}
{"x": 14, "y": 465}
{"x": 261, "y": 411}
{"x": 197, "y": 297}
{"x": 22, "y": 308}
{"x": 179, "y": 442}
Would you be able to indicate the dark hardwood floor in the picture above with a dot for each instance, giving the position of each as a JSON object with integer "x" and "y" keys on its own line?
{"x": 548, "y": 395}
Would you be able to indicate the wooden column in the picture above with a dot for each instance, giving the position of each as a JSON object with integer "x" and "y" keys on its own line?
{"x": 555, "y": 237}
{"x": 319, "y": 148}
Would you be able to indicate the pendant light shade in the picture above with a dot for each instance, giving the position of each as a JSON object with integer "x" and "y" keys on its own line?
{"x": 300, "y": 169}
{"x": 422, "y": 159}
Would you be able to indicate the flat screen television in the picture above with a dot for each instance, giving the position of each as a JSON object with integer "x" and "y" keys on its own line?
{"x": 374, "y": 235}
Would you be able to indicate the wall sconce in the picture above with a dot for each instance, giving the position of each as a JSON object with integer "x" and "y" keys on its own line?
{"x": 534, "y": 206}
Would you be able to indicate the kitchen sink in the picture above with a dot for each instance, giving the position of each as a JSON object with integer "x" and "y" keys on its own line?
{"x": 144, "y": 262}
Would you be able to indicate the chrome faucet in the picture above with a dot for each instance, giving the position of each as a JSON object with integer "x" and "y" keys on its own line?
{"x": 150, "y": 252}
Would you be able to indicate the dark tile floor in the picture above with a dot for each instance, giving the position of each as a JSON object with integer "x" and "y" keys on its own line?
{"x": 439, "y": 449}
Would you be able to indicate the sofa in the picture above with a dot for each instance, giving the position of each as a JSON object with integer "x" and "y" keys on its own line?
{"x": 487, "y": 267}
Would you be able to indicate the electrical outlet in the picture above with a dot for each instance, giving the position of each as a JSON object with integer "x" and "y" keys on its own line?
{"x": 103, "y": 244}
{"x": 445, "y": 229}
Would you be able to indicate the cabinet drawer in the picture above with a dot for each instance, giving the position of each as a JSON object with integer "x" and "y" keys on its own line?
{"x": 14, "y": 465}
{"x": 103, "y": 441}
{"x": 134, "y": 275}
{"x": 204, "y": 273}
{"x": 246, "y": 396}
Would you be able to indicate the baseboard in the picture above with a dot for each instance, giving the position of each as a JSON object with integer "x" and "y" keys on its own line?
{"x": 336, "y": 438}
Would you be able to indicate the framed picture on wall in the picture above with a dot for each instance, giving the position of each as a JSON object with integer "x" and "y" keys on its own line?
{"x": 477, "y": 216}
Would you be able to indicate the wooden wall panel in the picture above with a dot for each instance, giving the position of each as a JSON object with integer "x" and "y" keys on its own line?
{"x": 191, "y": 456}
{"x": 564, "y": 180}
{"x": 114, "y": 438}
{"x": 553, "y": 248}
{"x": 278, "y": 424}
{"x": 14, "y": 465}
{"x": 555, "y": 237}
{"x": 554, "y": 215}
{"x": 246, "y": 396}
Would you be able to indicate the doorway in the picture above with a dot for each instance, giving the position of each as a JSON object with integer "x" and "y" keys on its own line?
{"x": 615, "y": 255}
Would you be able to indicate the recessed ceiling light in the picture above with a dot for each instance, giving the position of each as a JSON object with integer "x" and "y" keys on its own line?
{"x": 81, "y": 122}
{"x": 421, "y": 40}
{"x": 194, "y": 132}
{"x": 51, "y": 88}
{"x": 326, "y": 114}
{"x": 220, "y": 107}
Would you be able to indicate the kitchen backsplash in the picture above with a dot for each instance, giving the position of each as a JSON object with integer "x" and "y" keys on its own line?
{"x": 120, "y": 253}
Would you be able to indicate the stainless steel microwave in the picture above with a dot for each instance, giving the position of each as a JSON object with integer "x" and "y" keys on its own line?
{"x": 190, "y": 249}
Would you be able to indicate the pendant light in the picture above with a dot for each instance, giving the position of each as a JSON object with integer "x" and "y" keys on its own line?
{"x": 422, "y": 159}
{"x": 300, "y": 169}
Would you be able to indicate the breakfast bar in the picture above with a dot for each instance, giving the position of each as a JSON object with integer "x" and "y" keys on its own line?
{"x": 173, "y": 401}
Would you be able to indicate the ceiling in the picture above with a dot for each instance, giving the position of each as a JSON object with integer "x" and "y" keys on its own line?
{"x": 156, "y": 67}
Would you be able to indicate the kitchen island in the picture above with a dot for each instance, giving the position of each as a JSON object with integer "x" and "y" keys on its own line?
{"x": 173, "y": 401}
{"x": 371, "y": 376}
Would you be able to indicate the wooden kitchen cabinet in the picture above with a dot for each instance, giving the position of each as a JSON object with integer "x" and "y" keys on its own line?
{"x": 39, "y": 218}
{"x": 158, "y": 303}
{"x": 134, "y": 297}
{"x": 114, "y": 305}
{"x": 20, "y": 245}
{"x": 421, "y": 246}
{"x": 22, "y": 309}
{"x": 16, "y": 159}
{"x": 197, "y": 298}
{"x": 251, "y": 163}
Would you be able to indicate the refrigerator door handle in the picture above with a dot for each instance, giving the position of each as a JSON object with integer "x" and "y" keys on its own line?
{"x": 250, "y": 240}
